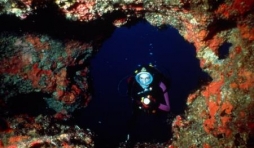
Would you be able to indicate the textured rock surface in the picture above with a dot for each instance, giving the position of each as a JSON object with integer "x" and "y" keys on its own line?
{"x": 219, "y": 113}
{"x": 43, "y": 131}
{"x": 33, "y": 63}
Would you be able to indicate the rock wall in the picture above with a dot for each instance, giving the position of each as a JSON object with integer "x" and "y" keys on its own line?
{"x": 219, "y": 113}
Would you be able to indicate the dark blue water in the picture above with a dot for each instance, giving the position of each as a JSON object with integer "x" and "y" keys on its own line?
{"x": 119, "y": 56}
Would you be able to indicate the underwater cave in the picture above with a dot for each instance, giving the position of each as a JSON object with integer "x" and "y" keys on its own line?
{"x": 127, "y": 49}
{"x": 60, "y": 56}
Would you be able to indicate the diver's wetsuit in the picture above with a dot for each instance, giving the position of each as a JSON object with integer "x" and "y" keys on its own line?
{"x": 148, "y": 124}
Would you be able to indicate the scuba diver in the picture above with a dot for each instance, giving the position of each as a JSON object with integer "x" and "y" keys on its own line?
{"x": 150, "y": 107}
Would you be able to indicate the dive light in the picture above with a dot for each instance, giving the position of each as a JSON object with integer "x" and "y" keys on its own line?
{"x": 146, "y": 101}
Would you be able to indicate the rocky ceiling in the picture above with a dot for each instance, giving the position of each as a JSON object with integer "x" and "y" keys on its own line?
{"x": 45, "y": 50}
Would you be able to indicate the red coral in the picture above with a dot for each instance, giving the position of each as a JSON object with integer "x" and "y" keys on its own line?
{"x": 247, "y": 32}
{"x": 1, "y": 143}
{"x": 191, "y": 98}
{"x": 243, "y": 6}
{"x": 36, "y": 42}
{"x": 69, "y": 97}
{"x": 223, "y": 10}
{"x": 61, "y": 83}
{"x": 172, "y": 146}
{"x": 136, "y": 7}
{"x": 225, "y": 118}
{"x": 246, "y": 79}
{"x": 237, "y": 50}
{"x": 12, "y": 65}
{"x": 206, "y": 145}
{"x": 35, "y": 75}
{"x": 178, "y": 121}
{"x": 224, "y": 128}
{"x": 62, "y": 115}
{"x": 209, "y": 125}
{"x": 82, "y": 10}
{"x": 238, "y": 7}
{"x": 215, "y": 43}
{"x": 213, "y": 88}
{"x": 69, "y": 49}
{"x": 16, "y": 139}
{"x": 251, "y": 126}
{"x": 12, "y": 146}
{"x": 119, "y": 22}
{"x": 194, "y": 35}
{"x": 213, "y": 108}
{"x": 226, "y": 108}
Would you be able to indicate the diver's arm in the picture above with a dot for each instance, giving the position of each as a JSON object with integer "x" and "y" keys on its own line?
{"x": 164, "y": 107}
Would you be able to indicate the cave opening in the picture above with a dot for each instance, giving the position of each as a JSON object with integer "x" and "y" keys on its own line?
{"x": 223, "y": 50}
{"x": 119, "y": 56}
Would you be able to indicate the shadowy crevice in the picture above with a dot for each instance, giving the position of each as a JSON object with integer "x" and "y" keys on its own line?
{"x": 51, "y": 21}
{"x": 32, "y": 104}
{"x": 218, "y": 26}
{"x": 223, "y": 50}
{"x": 214, "y": 4}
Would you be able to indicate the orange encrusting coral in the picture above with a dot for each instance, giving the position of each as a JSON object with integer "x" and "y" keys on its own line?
{"x": 120, "y": 21}
{"x": 209, "y": 125}
{"x": 41, "y": 132}
{"x": 178, "y": 121}
{"x": 224, "y": 128}
{"x": 192, "y": 35}
{"x": 37, "y": 43}
{"x": 226, "y": 108}
{"x": 16, "y": 66}
{"x": 243, "y": 6}
{"x": 36, "y": 73}
{"x": 236, "y": 51}
{"x": 215, "y": 43}
{"x": 213, "y": 108}
{"x": 225, "y": 118}
{"x": 223, "y": 10}
{"x": 32, "y": 65}
{"x": 82, "y": 10}
{"x": 16, "y": 139}
{"x": 217, "y": 109}
{"x": 198, "y": 37}
{"x": 191, "y": 98}
{"x": 68, "y": 97}
{"x": 237, "y": 7}
{"x": 12, "y": 65}
{"x": 212, "y": 126}
{"x": 61, "y": 83}
{"x": 206, "y": 145}
{"x": 246, "y": 31}
{"x": 213, "y": 88}
{"x": 245, "y": 80}
{"x": 70, "y": 45}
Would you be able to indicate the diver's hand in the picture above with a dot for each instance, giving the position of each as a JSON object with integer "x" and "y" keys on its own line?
{"x": 149, "y": 103}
